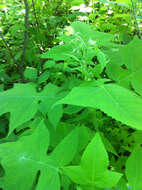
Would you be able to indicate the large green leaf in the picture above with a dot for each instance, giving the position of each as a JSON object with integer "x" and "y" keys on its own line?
{"x": 125, "y": 66}
{"x": 116, "y": 101}
{"x": 23, "y": 159}
{"x": 82, "y": 37}
{"x": 94, "y": 151}
{"x": 86, "y": 32}
{"x": 49, "y": 179}
{"x": 93, "y": 168}
{"x": 22, "y": 103}
{"x": 134, "y": 168}
{"x": 60, "y": 52}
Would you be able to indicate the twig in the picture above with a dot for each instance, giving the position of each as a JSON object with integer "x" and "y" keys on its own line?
{"x": 33, "y": 3}
{"x": 25, "y": 40}
{"x": 7, "y": 46}
{"x": 37, "y": 24}
{"x": 136, "y": 22}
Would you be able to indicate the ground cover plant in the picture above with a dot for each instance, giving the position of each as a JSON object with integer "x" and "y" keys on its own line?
{"x": 70, "y": 95}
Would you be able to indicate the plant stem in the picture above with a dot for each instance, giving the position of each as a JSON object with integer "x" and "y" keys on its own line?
{"x": 21, "y": 66}
{"x": 136, "y": 23}
{"x": 37, "y": 24}
{"x": 7, "y": 46}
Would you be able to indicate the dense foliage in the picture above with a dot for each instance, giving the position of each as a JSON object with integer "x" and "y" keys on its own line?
{"x": 70, "y": 95}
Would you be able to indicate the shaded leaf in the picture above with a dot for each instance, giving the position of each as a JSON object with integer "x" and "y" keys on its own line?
{"x": 66, "y": 150}
{"x": 30, "y": 73}
{"x": 43, "y": 77}
{"x": 134, "y": 168}
{"x": 125, "y": 65}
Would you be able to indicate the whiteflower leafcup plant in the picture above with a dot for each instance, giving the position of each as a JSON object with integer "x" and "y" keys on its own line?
{"x": 78, "y": 124}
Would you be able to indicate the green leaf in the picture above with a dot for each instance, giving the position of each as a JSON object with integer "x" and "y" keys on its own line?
{"x": 43, "y": 77}
{"x": 108, "y": 145}
{"x": 125, "y": 66}
{"x": 50, "y": 93}
{"x": 65, "y": 182}
{"x": 134, "y": 168}
{"x": 122, "y": 185}
{"x": 22, "y": 103}
{"x": 55, "y": 114}
{"x": 87, "y": 33}
{"x": 60, "y": 52}
{"x": 25, "y": 157}
{"x": 127, "y": 2}
{"x": 93, "y": 169}
{"x": 66, "y": 150}
{"x": 28, "y": 156}
{"x": 114, "y": 100}
{"x": 30, "y": 73}
{"x": 49, "y": 64}
{"x": 77, "y": 175}
{"x": 49, "y": 179}
{"x": 95, "y": 150}
{"x": 109, "y": 179}
{"x": 77, "y": 2}
{"x": 85, "y": 135}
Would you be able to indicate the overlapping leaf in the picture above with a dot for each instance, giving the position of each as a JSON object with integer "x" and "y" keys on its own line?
{"x": 125, "y": 66}
{"x": 22, "y": 160}
{"x": 87, "y": 33}
{"x": 82, "y": 40}
{"x": 49, "y": 97}
{"x": 22, "y": 102}
{"x": 116, "y": 101}
{"x": 61, "y": 52}
{"x": 134, "y": 168}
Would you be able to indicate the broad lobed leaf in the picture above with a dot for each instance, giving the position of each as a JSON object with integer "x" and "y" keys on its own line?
{"x": 28, "y": 156}
{"x": 93, "y": 170}
{"x": 116, "y": 101}
{"x": 125, "y": 65}
{"x": 22, "y": 102}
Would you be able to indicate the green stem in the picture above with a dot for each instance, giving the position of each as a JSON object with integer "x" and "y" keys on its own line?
{"x": 136, "y": 23}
